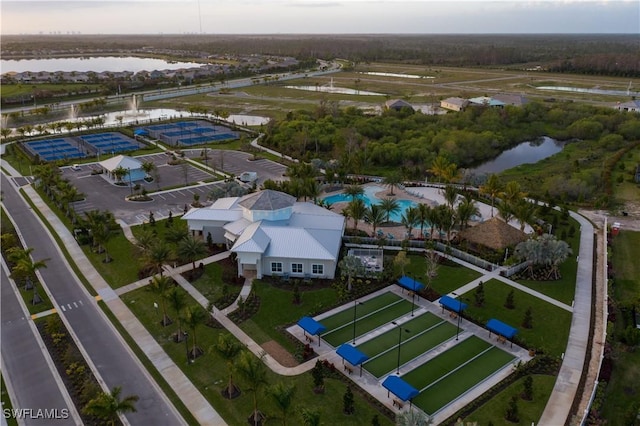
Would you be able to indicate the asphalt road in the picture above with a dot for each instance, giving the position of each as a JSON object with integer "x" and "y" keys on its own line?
{"x": 24, "y": 365}
{"x": 114, "y": 362}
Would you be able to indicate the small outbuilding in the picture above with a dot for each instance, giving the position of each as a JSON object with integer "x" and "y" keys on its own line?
{"x": 132, "y": 169}
{"x": 397, "y": 104}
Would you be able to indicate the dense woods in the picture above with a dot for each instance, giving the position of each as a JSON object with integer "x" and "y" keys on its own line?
{"x": 347, "y": 141}
{"x": 603, "y": 54}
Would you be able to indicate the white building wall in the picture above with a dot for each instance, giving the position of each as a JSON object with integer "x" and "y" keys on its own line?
{"x": 307, "y": 267}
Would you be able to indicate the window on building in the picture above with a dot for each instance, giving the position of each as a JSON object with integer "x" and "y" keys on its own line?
{"x": 276, "y": 266}
{"x": 317, "y": 269}
{"x": 296, "y": 268}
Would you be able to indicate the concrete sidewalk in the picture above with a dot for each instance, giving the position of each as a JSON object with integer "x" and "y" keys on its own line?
{"x": 186, "y": 391}
{"x": 558, "y": 407}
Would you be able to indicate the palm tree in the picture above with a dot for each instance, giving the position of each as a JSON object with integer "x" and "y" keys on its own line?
{"x": 191, "y": 249}
{"x": 513, "y": 193}
{"x": 196, "y": 316}
{"x": 177, "y": 301}
{"x": 283, "y": 397}
{"x": 524, "y": 211}
{"x": 410, "y": 219}
{"x": 492, "y": 188}
{"x": 447, "y": 219}
{"x": 25, "y": 267}
{"x": 351, "y": 266}
{"x": 423, "y": 216}
{"x": 310, "y": 417}
{"x": 443, "y": 169}
{"x": 158, "y": 255}
{"x": 354, "y": 191}
{"x": 5, "y": 132}
{"x": 450, "y": 194}
{"x": 229, "y": 348}
{"x": 148, "y": 167}
{"x": 465, "y": 210}
{"x": 505, "y": 211}
{"x": 392, "y": 181}
{"x": 389, "y": 206}
{"x": 160, "y": 285}
{"x": 252, "y": 369}
{"x": 108, "y": 405}
{"x": 145, "y": 240}
{"x": 118, "y": 173}
{"x": 376, "y": 216}
{"x": 357, "y": 210}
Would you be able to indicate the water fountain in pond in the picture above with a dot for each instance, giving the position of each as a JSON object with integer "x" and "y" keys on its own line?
{"x": 73, "y": 112}
{"x": 134, "y": 107}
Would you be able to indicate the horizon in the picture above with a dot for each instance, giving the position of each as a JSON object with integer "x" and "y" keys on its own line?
{"x": 318, "y": 17}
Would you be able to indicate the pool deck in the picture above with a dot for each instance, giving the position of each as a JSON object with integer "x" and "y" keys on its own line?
{"x": 422, "y": 195}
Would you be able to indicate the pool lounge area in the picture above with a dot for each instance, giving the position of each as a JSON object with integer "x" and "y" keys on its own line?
{"x": 369, "y": 197}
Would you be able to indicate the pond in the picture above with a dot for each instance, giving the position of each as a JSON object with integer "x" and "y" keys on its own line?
{"x": 596, "y": 91}
{"x": 391, "y": 74}
{"x": 525, "y": 153}
{"x": 331, "y": 89}
{"x": 97, "y": 64}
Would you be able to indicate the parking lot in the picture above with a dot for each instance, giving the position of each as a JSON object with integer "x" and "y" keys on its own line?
{"x": 236, "y": 162}
{"x": 101, "y": 194}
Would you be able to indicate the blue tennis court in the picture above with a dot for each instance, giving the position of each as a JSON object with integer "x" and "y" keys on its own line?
{"x": 110, "y": 142}
{"x": 55, "y": 149}
{"x": 188, "y": 133}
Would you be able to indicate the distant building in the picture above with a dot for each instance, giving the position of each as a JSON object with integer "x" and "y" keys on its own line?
{"x": 513, "y": 100}
{"x": 454, "y": 104}
{"x": 397, "y": 104}
{"x": 273, "y": 234}
{"x": 633, "y": 106}
{"x": 486, "y": 101}
{"x": 637, "y": 175}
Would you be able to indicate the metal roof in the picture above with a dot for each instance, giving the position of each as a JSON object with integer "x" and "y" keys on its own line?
{"x": 267, "y": 200}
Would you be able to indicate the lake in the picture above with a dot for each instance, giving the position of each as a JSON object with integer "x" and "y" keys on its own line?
{"x": 98, "y": 64}
{"x": 525, "y": 153}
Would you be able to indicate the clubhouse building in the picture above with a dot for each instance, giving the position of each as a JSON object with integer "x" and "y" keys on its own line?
{"x": 273, "y": 234}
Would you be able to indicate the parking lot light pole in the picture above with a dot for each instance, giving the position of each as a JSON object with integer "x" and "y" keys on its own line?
{"x": 399, "y": 342}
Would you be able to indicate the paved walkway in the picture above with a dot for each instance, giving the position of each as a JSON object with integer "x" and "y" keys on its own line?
{"x": 564, "y": 392}
{"x": 186, "y": 391}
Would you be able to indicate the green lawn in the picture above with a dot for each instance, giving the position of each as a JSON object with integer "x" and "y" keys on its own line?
{"x": 453, "y": 372}
{"x": 6, "y": 402}
{"x": 366, "y": 323}
{"x": 209, "y": 374}
{"x": 530, "y": 411}
{"x": 123, "y": 269}
{"x": 545, "y": 316}
{"x": 277, "y": 309}
{"x": 624, "y": 387}
{"x": 450, "y": 276}
{"x": 410, "y": 348}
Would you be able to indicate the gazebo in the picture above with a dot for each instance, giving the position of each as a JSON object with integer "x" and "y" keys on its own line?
{"x": 503, "y": 330}
{"x": 352, "y": 355}
{"x": 311, "y": 326}
{"x": 401, "y": 389}
{"x": 494, "y": 233}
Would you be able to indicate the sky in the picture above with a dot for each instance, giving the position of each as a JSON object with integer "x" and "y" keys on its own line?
{"x": 319, "y": 16}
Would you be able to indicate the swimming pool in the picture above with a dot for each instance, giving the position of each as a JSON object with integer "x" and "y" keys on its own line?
{"x": 369, "y": 198}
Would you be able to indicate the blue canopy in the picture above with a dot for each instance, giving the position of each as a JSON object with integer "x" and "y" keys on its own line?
{"x": 351, "y": 354}
{"x": 140, "y": 132}
{"x": 501, "y": 328}
{"x": 400, "y": 388}
{"x": 452, "y": 304}
{"x": 410, "y": 283}
{"x": 311, "y": 326}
